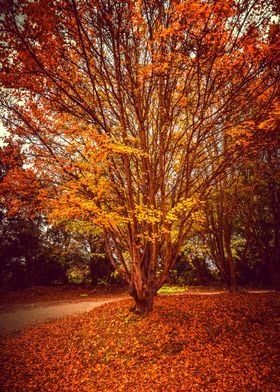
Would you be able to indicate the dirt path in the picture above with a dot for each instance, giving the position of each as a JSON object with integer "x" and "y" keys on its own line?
{"x": 18, "y": 317}
{"x": 23, "y": 316}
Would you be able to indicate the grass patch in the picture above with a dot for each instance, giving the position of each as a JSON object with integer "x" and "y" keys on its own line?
{"x": 165, "y": 289}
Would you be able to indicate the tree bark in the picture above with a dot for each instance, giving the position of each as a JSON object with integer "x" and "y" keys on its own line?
{"x": 229, "y": 256}
{"x": 274, "y": 270}
{"x": 143, "y": 302}
{"x": 143, "y": 307}
{"x": 232, "y": 275}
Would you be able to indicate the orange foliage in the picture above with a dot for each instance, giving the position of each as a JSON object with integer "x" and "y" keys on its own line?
{"x": 122, "y": 108}
{"x": 189, "y": 343}
{"x": 19, "y": 186}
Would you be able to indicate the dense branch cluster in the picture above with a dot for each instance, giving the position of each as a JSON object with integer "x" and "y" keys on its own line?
{"x": 128, "y": 113}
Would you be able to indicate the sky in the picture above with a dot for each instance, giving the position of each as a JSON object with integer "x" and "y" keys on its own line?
{"x": 2, "y": 133}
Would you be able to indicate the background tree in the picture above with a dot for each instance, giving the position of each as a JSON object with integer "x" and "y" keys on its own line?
{"x": 262, "y": 213}
{"x": 117, "y": 104}
{"x": 220, "y": 212}
{"x": 194, "y": 265}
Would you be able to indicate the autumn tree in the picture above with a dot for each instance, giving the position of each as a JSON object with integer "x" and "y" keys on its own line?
{"x": 116, "y": 102}
{"x": 220, "y": 212}
{"x": 261, "y": 199}
{"x": 194, "y": 265}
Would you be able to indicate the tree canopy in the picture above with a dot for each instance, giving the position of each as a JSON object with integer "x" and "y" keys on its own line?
{"x": 128, "y": 113}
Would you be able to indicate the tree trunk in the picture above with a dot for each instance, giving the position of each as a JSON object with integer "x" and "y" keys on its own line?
{"x": 232, "y": 275}
{"x": 229, "y": 258}
{"x": 143, "y": 307}
{"x": 274, "y": 270}
{"x": 144, "y": 300}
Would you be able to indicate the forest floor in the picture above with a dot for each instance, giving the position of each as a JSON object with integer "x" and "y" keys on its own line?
{"x": 46, "y": 294}
{"x": 15, "y": 318}
{"x": 70, "y": 293}
{"x": 24, "y": 308}
{"x": 194, "y": 342}
{"x": 20, "y": 309}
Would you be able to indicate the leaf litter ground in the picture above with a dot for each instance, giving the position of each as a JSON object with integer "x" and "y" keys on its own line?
{"x": 188, "y": 343}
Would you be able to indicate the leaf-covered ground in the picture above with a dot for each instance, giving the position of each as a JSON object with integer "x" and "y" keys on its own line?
{"x": 189, "y": 343}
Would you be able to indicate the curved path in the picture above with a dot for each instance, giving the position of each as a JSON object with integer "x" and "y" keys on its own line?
{"x": 23, "y": 316}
